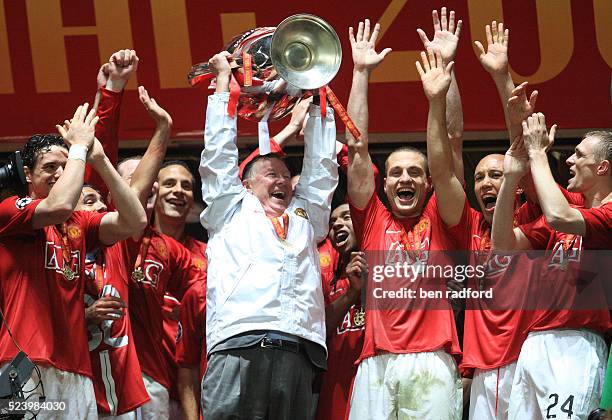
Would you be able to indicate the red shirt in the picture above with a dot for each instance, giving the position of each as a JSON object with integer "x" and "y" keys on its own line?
{"x": 167, "y": 267}
{"x": 116, "y": 371}
{"x": 493, "y": 337}
{"x": 343, "y": 347}
{"x": 107, "y": 131}
{"x": 191, "y": 350}
{"x": 560, "y": 274}
{"x": 171, "y": 308}
{"x": 398, "y": 329}
{"x": 328, "y": 259}
{"x": 44, "y": 309}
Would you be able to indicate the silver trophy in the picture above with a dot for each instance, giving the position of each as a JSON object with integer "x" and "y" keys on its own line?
{"x": 302, "y": 53}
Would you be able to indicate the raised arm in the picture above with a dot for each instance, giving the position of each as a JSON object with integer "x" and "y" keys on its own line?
{"x": 112, "y": 78}
{"x": 319, "y": 176}
{"x": 147, "y": 170}
{"x": 446, "y": 39}
{"x": 504, "y": 236}
{"x": 221, "y": 186}
{"x": 436, "y": 78}
{"x": 559, "y": 214}
{"x": 130, "y": 217}
{"x": 514, "y": 101}
{"x": 361, "y": 183}
{"x": 78, "y": 134}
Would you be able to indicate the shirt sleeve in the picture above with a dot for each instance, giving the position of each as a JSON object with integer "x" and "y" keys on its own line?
{"x": 538, "y": 232}
{"x": 222, "y": 189}
{"x": 319, "y": 176}
{"x": 189, "y": 349}
{"x": 598, "y": 223}
{"x": 366, "y": 220}
{"x": 16, "y": 215}
{"x": 185, "y": 272}
{"x": 107, "y": 131}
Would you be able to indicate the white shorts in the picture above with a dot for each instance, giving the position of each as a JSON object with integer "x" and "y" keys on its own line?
{"x": 130, "y": 415}
{"x": 407, "y": 386}
{"x": 559, "y": 374}
{"x": 159, "y": 405}
{"x": 61, "y": 387}
{"x": 490, "y": 393}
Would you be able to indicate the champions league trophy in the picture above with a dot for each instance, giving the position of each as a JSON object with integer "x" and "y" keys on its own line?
{"x": 275, "y": 67}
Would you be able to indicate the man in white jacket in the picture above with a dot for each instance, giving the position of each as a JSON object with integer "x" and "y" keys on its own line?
{"x": 265, "y": 311}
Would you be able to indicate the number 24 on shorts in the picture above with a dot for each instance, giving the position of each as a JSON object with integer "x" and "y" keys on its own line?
{"x": 566, "y": 407}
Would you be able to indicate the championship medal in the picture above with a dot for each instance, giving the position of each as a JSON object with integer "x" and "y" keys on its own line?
{"x": 138, "y": 274}
{"x": 359, "y": 317}
{"x": 68, "y": 273}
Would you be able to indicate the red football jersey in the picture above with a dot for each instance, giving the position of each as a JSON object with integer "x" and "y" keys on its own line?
{"x": 166, "y": 266}
{"x": 43, "y": 307}
{"x": 171, "y": 308}
{"x": 493, "y": 337}
{"x": 560, "y": 277}
{"x": 328, "y": 258}
{"x": 191, "y": 350}
{"x": 116, "y": 372}
{"x": 400, "y": 329}
{"x": 343, "y": 347}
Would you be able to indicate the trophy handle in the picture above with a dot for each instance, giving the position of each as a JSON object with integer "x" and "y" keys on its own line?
{"x": 201, "y": 73}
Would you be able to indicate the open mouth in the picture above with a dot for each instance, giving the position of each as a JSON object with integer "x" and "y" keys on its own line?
{"x": 176, "y": 203}
{"x": 489, "y": 201}
{"x": 279, "y": 195}
{"x": 405, "y": 194}
{"x": 341, "y": 238}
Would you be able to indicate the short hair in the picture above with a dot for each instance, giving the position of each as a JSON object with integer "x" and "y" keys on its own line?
{"x": 177, "y": 162}
{"x": 408, "y": 149}
{"x": 249, "y": 168}
{"x": 38, "y": 144}
{"x": 603, "y": 150}
{"x": 93, "y": 187}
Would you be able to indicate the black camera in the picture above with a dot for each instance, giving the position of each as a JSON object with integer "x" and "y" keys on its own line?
{"x": 12, "y": 175}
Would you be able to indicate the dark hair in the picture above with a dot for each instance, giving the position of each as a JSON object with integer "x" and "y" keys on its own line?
{"x": 177, "y": 162}
{"x": 248, "y": 169}
{"x": 38, "y": 144}
{"x": 603, "y": 150}
{"x": 408, "y": 149}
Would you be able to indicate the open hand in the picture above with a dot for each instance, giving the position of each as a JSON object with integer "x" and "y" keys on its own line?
{"x": 365, "y": 57}
{"x": 446, "y": 35}
{"x": 495, "y": 60}
{"x": 519, "y": 107}
{"x": 537, "y": 139}
{"x": 81, "y": 128}
{"x": 156, "y": 112}
{"x": 435, "y": 75}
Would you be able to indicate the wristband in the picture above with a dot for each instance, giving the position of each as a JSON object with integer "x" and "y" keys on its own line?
{"x": 78, "y": 151}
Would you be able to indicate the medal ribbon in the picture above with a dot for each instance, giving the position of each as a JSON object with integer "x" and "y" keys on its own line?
{"x": 281, "y": 231}
{"x": 100, "y": 277}
{"x": 410, "y": 241}
{"x": 142, "y": 252}
{"x": 68, "y": 259}
{"x": 247, "y": 65}
{"x": 344, "y": 116}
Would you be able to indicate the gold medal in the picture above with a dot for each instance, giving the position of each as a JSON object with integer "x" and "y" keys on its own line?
{"x": 359, "y": 317}
{"x": 138, "y": 274}
{"x": 68, "y": 273}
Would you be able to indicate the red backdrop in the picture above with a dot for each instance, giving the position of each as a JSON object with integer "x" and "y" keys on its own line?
{"x": 50, "y": 51}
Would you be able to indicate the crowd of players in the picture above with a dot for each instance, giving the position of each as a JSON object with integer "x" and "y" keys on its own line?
{"x": 103, "y": 289}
